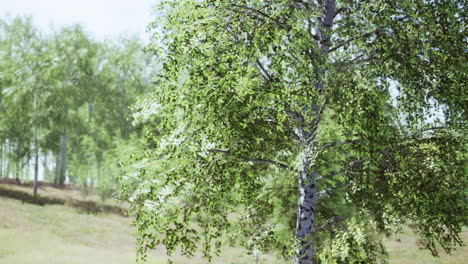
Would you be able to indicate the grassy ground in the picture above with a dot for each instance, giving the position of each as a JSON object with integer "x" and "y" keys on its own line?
{"x": 53, "y": 234}
{"x": 404, "y": 249}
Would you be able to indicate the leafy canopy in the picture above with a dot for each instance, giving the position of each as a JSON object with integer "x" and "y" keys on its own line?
{"x": 241, "y": 80}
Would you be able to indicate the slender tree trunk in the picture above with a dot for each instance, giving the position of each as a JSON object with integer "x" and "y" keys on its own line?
{"x": 10, "y": 150}
{"x": 26, "y": 166}
{"x": 1, "y": 160}
{"x": 36, "y": 156}
{"x": 57, "y": 168}
{"x": 307, "y": 197}
{"x": 63, "y": 158}
{"x": 18, "y": 161}
{"x": 45, "y": 168}
{"x": 98, "y": 167}
{"x": 90, "y": 110}
{"x": 90, "y": 174}
{"x": 1, "y": 147}
{"x": 89, "y": 162}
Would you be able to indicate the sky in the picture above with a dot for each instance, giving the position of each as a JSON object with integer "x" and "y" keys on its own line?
{"x": 101, "y": 18}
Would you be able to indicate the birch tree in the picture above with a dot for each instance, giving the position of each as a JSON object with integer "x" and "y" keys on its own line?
{"x": 26, "y": 84}
{"x": 281, "y": 113}
{"x": 68, "y": 95}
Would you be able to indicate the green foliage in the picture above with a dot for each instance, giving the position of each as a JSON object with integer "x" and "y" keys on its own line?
{"x": 251, "y": 93}
{"x": 77, "y": 92}
{"x": 360, "y": 242}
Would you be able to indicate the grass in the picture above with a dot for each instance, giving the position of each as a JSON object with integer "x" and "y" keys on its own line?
{"x": 53, "y": 234}
{"x": 404, "y": 249}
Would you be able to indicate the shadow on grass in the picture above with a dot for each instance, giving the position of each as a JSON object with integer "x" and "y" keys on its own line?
{"x": 89, "y": 207}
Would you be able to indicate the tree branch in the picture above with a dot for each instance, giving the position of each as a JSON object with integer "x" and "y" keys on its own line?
{"x": 263, "y": 71}
{"x": 339, "y": 11}
{"x": 368, "y": 34}
{"x": 331, "y": 174}
{"x": 309, "y": 29}
{"x": 356, "y": 61}
{"x": 318, "y": 115}
{"x": 431, "y": 128}
{"x": 264, "y": 161}
{"x": 260, "y": 13}
{"x": 327, "y": 223}
{"x": 328, "y": 191}
{"x": 329, "y": 145}
{"x": 303, "y": 3}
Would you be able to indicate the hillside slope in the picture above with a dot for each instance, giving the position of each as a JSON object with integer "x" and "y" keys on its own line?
{"x": 53, "y": 234}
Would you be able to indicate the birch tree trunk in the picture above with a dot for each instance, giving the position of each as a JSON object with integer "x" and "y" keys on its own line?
{"x": 36, "y": 145}
{"x": 18, "y": 160}
{"x": 305, "y": 214}
{"x": 57, "y": 168}
{"x": 8, "y": 160}
{"x": 36, "y": 156}
{"x": 45, "y": 167}
{"x": 307, "y": 196}
{"x": 90, "y": 110}
{"x": 63, "y": 158}
{"x": 1, "y": 160}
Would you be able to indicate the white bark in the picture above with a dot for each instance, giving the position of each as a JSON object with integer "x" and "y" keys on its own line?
{"x": 305, "y": 253}
{"x": 305, "y": 214}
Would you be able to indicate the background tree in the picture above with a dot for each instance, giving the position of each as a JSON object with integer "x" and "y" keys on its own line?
{"x": 27, "y": 63}
{"x": 242, "y": 120}
{"x": 65, "y": 98}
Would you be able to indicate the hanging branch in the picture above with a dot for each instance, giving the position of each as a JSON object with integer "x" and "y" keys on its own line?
{"x": 263, "y": 71}
{"x": 375, "y": 31}
{"x": 327, "y": 223}
{"x": 329, "y": 145}
{"x": 328, "y": 191}
{"x": 264, "y": 161}
{"x": 261, "y": 14}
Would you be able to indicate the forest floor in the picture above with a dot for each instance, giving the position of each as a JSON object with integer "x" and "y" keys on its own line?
{"x": 63, "y": 233}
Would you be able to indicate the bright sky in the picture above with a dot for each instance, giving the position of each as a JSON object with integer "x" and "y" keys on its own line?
{"x": 101, "y": 18}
